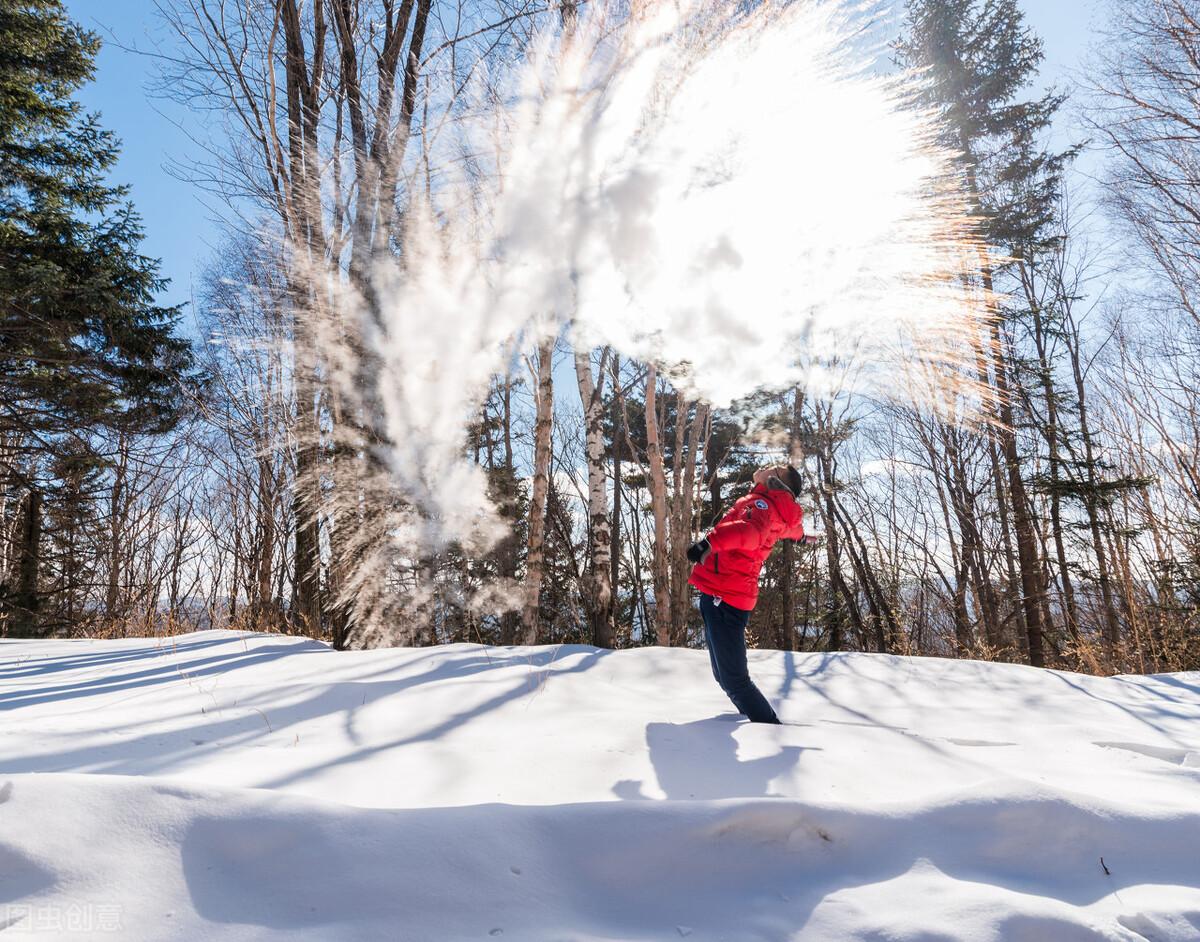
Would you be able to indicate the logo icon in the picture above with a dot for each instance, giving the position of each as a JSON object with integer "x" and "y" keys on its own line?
{"x": 760, "y": 504}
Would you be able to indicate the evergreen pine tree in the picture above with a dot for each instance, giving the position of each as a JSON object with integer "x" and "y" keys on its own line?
{"x": 82, "y": 343}
{"x": 83, "y": 346}
{"x": 979, "y": 58}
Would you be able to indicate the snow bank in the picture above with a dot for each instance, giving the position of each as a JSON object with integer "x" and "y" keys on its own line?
{"x": 258, "y": 787}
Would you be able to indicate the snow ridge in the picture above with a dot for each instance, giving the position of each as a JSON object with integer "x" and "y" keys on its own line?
{"x": 230, "y": 786}
{"x": 251, "y": 864}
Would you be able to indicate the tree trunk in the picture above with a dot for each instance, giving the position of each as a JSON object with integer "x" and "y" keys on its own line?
{"x": 536, "y": 555}
{"x": 993, "y": 627}
{"x": 942, "y": 474}
{"x": 508, "y": 549}
{"x": 615, "y": 576}
{"x": 658, "y": 501}
{"x": 116, "y": 509}
{"x": 1112, "y": 624}
{"x": 1027, "y": 554}
{"x": 599, "y": 584}
{"x": 1007, "y": 472}
{"x": 1052, "y": 436}
{"x": 24, "y": 610}
{"x": 833, "y": 555}
{"x": 1031, "y": 599}
{"x": 266, "y": 548}
{"x": 307, "y": 616}
{"x": 688, "y": 451}
{"x": 786, "y": 635}
{"x": 306, "y": 232}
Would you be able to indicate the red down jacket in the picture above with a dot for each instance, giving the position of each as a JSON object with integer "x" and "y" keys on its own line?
{"x": 741, "y": 543}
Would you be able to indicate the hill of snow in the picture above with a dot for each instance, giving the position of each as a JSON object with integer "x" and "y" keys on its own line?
{"x": 223, "y": 785}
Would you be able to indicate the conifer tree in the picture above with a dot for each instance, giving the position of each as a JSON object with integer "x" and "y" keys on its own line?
{"x": 980, "y": 60}
{"x": 83, "y": 345}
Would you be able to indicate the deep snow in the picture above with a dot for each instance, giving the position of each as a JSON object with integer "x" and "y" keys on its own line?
{"x": 223, "y": 785}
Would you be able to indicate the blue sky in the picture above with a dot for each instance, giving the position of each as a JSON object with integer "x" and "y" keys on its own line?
{"x": 179, "y": 226}
{"x": 1066, "y": 28}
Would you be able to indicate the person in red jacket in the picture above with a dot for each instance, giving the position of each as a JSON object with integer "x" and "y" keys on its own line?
{"x": 727, "y": 565}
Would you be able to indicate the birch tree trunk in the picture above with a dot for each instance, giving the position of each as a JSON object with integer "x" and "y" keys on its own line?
{"x": 689, "y": 447}
{"x": 599, "y": 578}
{"x": 660, "y": 565}
{"x": 786, "y": 634}
{"x": 543, "y": 425}
{"x": 617, "y": 420}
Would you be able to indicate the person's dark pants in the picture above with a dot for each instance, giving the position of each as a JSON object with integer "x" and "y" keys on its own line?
{"x": 725, "y": 630}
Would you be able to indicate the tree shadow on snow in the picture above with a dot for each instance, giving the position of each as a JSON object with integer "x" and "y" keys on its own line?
{"x": 168, "y": 671}
{"x": 542, "y": 668}
{"x": 257, "y": 716}
{"x": 15, "y": 667}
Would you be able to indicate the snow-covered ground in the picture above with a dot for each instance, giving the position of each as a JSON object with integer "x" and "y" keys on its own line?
{"x": 223, "y": 785}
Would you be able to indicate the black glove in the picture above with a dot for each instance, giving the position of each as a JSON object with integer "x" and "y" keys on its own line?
{"x": 698, "y": 551}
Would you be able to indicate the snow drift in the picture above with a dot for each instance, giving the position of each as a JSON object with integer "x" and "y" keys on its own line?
{"x": 234, "y": 786}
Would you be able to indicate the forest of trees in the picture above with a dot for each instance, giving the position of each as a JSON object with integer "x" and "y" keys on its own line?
{"x": 151, "y": 484}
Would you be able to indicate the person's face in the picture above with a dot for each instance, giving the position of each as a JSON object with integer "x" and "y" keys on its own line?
{"x": 763, "y": 475}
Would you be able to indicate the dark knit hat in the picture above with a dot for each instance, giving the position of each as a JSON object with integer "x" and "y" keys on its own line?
{"x": 792, "y": 481}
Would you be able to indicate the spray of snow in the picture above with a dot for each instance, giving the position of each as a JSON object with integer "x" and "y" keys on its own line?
{"x": 731, "y": 193}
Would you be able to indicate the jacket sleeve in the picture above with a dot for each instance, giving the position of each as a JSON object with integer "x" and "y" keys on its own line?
{"x": 746, "y": 534}
{"x": 796, "y": 532}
